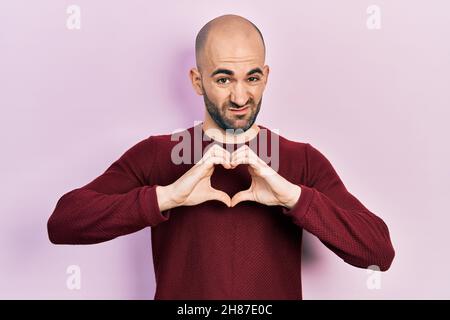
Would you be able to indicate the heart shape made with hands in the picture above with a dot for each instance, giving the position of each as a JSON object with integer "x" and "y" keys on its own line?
{"x": 267, "y": 186}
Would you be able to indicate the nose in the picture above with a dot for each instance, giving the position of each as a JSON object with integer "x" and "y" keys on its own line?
{"x": 239, "y": 95}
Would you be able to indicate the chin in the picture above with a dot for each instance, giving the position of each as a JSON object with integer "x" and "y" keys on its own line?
{"x": 244, "y": 127}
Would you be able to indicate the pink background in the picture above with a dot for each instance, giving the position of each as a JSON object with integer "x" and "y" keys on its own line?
{"x": 375, "y": 102}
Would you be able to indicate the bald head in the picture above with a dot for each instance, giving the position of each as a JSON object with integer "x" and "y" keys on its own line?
{"x": 228, "y": 33}
{"x": 231, "y": 73}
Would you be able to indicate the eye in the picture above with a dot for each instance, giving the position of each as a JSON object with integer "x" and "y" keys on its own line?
{"x": 222, "y": 80}
{"x": 253, "y": 79}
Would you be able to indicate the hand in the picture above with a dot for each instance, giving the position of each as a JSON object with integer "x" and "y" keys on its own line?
{"x": 194, "y": 187}
{"x": 267, "y": 187}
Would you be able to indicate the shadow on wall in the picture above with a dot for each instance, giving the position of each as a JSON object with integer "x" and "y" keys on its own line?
{"x": 309, "y": 255}
{"x": 187, "y": 101}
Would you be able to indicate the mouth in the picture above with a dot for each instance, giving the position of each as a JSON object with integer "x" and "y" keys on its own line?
{"x": 239, "y": 111}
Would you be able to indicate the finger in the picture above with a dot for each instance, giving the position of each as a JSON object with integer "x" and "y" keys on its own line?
{"x": 244, "y": 151}
{"x": 212, "y": 160}
{"x": 259, "y": 167}
{"x": 217, "y": 151}
{"x": 221, "y": 196}
{"x": 245, "y": 195}
{"x": 245, "y": 158}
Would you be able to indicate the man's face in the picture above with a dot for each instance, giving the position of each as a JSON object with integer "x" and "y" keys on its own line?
{"x": 232, "y": 79}
{"x": 228, "y": 114}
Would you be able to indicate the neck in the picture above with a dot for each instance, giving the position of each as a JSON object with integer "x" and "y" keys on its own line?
{"x": 215, "y": 132}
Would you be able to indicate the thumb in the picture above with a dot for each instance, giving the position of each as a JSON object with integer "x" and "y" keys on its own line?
{"x": 245, "y": 195}
{"x": 220, "y": 195}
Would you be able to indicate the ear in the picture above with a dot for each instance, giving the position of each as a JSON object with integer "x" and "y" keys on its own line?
{"x": 266, "y": 71}
{"x": 196, "y": 80}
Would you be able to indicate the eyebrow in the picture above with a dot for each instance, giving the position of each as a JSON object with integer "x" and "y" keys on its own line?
{"x": 230, "y": 72}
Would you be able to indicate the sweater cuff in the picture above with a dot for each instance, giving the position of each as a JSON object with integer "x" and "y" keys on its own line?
{"x": 151, "y": 213}
{"x": 301, "y": 207}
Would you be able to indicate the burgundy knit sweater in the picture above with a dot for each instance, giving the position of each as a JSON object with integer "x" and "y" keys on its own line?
{"x": 211, "y": 251}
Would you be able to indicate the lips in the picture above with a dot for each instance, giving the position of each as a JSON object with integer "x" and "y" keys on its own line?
{"x": 238, "y": 111}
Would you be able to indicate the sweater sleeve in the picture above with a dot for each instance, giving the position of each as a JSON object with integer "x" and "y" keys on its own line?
{"x": 116, "y": 203}
{"x": 328, "y": 210}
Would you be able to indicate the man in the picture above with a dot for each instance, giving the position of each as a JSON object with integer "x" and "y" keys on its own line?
{"x": 227, "y": 225}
